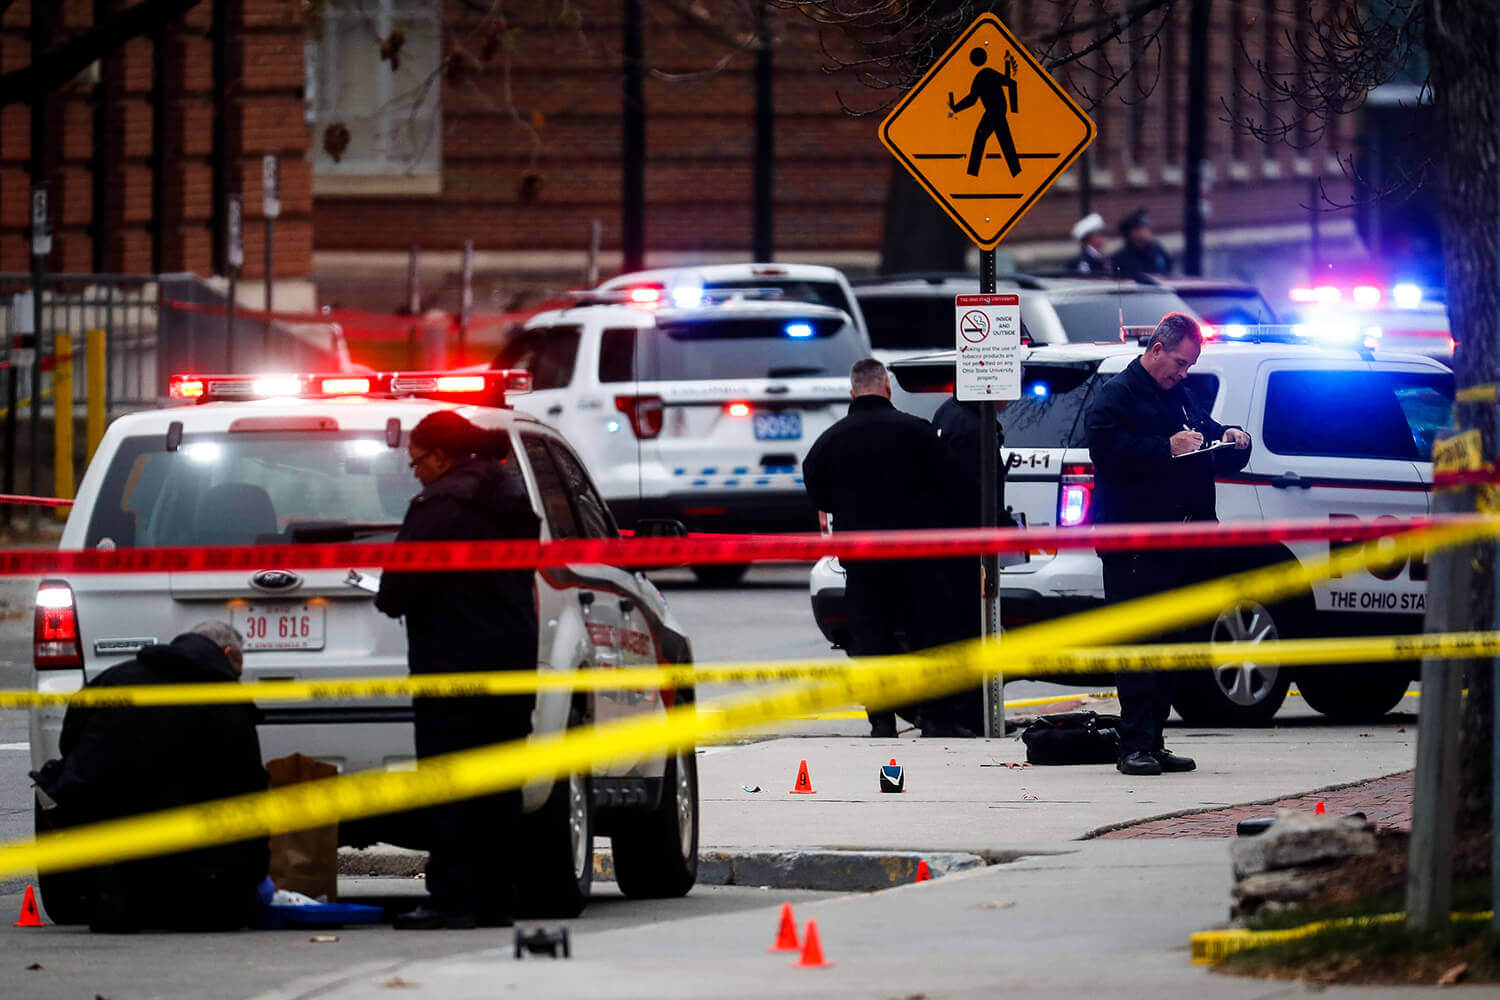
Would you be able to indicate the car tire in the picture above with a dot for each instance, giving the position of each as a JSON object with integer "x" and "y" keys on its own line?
{"x": 66, "y": 897}
{"x": 656, "y": 853}
{"x": 555, "y": 870}
{"x": 1239, "y": 694}
{"x": 721, "y": 574}
{"x": 1354, "y": 693}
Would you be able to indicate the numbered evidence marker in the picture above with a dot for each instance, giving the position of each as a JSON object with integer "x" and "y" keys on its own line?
{"x": 987, "y": 131}
{"x": 987, "y": 338}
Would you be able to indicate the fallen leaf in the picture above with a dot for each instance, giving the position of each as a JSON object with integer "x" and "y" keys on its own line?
{"x": 33, "y": 966}
{"x": 323, "y": 939}
{"x": 396, "y": 982}
{"x": 1025, "y": 795}
{"x": 1003, "y": 905}
{"x": 1454, "y": 975}
{"x": 1401, "y": 729}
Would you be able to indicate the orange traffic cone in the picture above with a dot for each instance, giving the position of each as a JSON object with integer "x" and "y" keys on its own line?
{"x": 29, "y": 916}
{"x": 804, "y": 783}
{"x": 786, "y": 934}
{"x": 1318, "y": 810}
{"x": 923, "y": 873}
{"x": 812, "y": 951}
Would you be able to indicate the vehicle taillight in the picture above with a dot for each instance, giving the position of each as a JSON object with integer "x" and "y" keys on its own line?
{"x": 56, "y": 643}
{"x": 737, "y": 409}
{"x": 646, "y": 414}
{"x": 1075, "y": 501}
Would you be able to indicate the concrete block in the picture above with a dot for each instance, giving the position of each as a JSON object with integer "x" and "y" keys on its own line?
{"x": 1298, "y": 839}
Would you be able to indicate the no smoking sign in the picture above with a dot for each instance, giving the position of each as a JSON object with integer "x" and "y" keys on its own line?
{"x": 988, "y": 342}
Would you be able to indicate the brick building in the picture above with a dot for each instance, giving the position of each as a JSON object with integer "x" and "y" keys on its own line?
{"x": 448, "y": 130}
{"x": 140, "y": 149}
{"x": 519, "y": 148}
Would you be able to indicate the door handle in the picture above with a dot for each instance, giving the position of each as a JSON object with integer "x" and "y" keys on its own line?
{"x": 555, "y": 410}
{"x": 626, "y": 605}
{"x": 586, "y": 597}
{"x": 1291, "y": 481}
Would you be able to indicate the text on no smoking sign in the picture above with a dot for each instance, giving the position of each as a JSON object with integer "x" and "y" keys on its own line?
{"x": 987, "y": 337}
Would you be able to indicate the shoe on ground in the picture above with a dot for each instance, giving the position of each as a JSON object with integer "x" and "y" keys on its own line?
{"x": 1139, "y": 762}
{"x": 1173, "y": 763}
{"x": 883, "y": 730}
{"x": 427, "y": 918}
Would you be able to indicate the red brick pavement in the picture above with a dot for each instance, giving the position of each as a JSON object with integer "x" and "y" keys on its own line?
{"x": 1386, "y": 801}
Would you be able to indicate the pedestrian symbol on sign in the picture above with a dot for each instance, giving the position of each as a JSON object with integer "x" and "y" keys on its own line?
{"x": 945, "y": 142}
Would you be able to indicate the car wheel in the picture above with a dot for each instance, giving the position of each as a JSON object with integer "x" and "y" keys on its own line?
{"x": 721, "y": 574}
{"x": 556, "y": 868}
{"x": 656, "y": 854}
{"x": 1355, "y": 693}
{"x": 67, "y": 897}
{"x": 1245, "y": 693}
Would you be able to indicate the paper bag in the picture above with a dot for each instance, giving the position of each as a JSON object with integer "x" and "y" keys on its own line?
{"x": 305, "y": 861}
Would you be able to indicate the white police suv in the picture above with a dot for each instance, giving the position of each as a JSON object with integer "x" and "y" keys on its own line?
{"x": 297, "y": 458}
{"x": 700, "y": 414}
{"x": 1339, "y": 434}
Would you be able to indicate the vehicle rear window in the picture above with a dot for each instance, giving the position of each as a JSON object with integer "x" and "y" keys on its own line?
{"x": 1098, "y": 318}
{"x": 820, "y": 293}
{"x": 245, "y": 489}
{"x": 617, "y": 355}
{"x": 909, "y": 322}
{"x": 1221, "y": 306}
{"x": 750, "y": 347}
{"x": 549, "y": 353}
{"x": 1046, "y": 415}
{"x": 1356, "y": 414}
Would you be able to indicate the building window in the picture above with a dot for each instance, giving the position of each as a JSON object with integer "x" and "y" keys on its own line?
{"x": 374, "y": 86}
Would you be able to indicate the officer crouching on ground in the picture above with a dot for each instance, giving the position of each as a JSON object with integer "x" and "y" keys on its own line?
{"x": 879, "y": 469}
{"x": 1145, "y": 429}
{"x": 118, "y": 762}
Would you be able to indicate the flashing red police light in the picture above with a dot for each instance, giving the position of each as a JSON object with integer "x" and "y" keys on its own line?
{"x": 209, "y": 388}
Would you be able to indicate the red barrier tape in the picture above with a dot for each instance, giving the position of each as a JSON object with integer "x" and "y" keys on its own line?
{"x": 26, "y": 501}
{"x": 1472, "y": 477}
{"x": 700, "y": 550}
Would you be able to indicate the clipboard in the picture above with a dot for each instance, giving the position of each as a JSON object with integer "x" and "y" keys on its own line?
{"x": 1205, "y": 449}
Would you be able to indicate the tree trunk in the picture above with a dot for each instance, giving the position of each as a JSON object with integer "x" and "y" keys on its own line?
{"x": 1461, "y": 42}
{"x": 919, "y": 236}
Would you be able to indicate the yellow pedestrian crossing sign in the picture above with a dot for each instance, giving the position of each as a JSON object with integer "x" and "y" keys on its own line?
{"x": 987, "y": 131}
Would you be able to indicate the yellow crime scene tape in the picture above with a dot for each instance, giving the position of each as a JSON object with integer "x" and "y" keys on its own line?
{"x": 877, "y": 683}
{"x": 1101, "y": 659}
{"x": 1213, "y": 947}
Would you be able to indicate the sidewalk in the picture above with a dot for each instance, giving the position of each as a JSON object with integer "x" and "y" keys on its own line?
{"x": 1111, "y": 919}
{"x": 961, "y": 796}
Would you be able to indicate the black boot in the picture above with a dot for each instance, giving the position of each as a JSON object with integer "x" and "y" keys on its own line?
{"x": 1173, "y": 763}
{"x": 1138, "y": 762}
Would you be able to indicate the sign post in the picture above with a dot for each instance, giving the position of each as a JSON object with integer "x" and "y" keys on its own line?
{"x": 234, "y": 258}
{"x": 986, "y": 132}
{"x": 270, "y": 185}
{"x": 41, "y": 246}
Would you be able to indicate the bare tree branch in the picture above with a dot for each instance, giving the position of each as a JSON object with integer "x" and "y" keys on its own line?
{"x": 74, "y": 56}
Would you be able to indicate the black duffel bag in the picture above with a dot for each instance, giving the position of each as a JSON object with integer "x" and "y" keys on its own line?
{"x": 1073, "y": 738}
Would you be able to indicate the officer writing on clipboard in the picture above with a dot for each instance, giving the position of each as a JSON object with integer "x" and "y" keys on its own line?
{"x": 1156, "y": 453}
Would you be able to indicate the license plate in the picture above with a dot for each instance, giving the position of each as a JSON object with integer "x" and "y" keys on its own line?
{"x": 279, "y": 626}
{"x": 778, "y": 426}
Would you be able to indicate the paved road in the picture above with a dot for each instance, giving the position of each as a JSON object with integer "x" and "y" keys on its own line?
{"x": 77, "y": 965}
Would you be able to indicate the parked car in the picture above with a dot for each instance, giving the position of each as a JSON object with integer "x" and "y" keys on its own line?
{"x": 280, "y": 459}
{"x": 1339, "y": 434}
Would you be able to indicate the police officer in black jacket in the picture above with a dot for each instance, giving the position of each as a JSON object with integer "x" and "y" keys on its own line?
{"x": 879, "y": 469}
{"x": 118, "y": 762}
{"x": 466, "y": 621}
{"x": 1145, "y": 432}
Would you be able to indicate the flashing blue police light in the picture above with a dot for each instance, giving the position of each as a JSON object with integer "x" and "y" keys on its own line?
{"x": 1407, "y": 295}
{"x": 1040, "y": 390}
{"x": 799, "y": 331}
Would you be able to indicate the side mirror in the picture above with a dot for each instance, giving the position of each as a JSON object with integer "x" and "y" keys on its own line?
{"x": 660, "y": 527}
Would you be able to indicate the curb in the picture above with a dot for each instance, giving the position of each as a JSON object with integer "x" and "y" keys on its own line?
{"x": 831, "y": 871}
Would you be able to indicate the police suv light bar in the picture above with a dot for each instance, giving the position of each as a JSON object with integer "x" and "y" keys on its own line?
{"x": 210, "y": 388}
{"x": 653, "y": 296}
{"x": 1331, "y": 331}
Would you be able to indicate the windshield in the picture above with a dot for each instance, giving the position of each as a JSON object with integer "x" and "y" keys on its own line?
{"x": 1220, "y": 306}
{"x": 1098, "y": 318}
{"x": 246, "y": 489}
{"x": 750, "y": 347}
